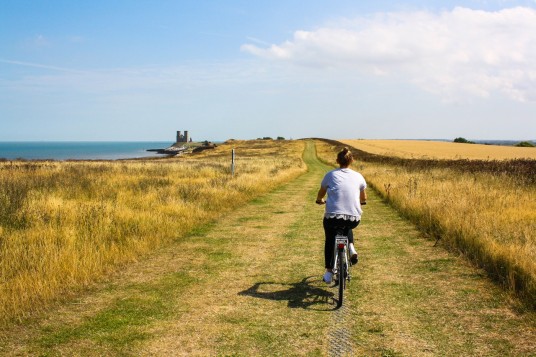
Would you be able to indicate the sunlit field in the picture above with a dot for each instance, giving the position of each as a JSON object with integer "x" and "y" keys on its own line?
{"x": 65, "y": 225}
{"x": 441, "y": 150}
{"x": 490, "y": 216}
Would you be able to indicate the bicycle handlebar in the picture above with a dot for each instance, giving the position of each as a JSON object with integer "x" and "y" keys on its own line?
{"x": 322, "y": 202}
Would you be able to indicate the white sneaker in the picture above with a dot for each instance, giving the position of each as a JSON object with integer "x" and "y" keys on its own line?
{"x": 353, "y": 254}
{"x": 352, "y": 249}
{"x": 328, "y": 277}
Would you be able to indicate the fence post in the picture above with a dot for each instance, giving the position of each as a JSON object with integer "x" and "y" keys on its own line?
{"x": 232, "y": 162}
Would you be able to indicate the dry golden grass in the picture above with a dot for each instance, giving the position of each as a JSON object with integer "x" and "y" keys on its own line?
{"x": 250, "y": 285}
{"x": 441, "y": 150}
{"x": 490, "y": 218}
{"x": 64, "y": 225}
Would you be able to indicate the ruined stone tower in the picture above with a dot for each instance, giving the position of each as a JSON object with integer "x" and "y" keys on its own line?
{"x": 183, "y": 138}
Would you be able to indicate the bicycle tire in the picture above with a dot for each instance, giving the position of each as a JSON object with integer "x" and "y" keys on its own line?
{"x": 342, "y": 278}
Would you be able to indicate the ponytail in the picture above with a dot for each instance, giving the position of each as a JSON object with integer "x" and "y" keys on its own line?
{"x": 345, "y": 157}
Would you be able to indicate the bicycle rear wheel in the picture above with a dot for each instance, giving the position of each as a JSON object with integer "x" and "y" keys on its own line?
{"x": 341, "y": 273}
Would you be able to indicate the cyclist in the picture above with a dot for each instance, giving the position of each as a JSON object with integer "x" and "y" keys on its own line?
{"x": 346, "y": 193}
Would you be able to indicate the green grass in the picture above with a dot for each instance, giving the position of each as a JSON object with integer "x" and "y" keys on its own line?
{"x": 434, "y": 265}
{"x": 122, "y": 324}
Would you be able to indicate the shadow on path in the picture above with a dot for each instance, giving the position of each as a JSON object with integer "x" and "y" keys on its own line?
{"x": 306, "y": 294}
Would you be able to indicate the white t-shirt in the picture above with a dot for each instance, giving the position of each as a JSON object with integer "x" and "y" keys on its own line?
{"x": 343, "y": 187}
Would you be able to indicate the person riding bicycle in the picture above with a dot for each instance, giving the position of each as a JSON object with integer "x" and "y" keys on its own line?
{"x": 346, "y": 193}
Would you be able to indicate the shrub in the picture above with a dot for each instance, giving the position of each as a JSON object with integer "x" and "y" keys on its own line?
{"x": 525, "y": 144}
{"x": 463, "y": 141}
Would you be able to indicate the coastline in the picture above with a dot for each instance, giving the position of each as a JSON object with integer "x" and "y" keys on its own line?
{"x": 79, "y": 150}
{"x": 172, "y": 150}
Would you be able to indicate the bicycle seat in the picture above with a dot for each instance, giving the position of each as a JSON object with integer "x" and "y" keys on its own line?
{"x": 340, "y": 230}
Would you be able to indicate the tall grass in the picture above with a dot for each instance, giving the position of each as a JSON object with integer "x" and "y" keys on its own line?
{"x": 64, "y": 225}
{"x": 491, "y": 218}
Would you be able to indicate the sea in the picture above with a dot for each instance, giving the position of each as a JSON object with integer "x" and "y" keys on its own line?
{"x": 80, "y": 150}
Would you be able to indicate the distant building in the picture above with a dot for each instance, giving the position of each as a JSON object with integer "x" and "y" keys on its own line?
{"x": 183, "y": 138}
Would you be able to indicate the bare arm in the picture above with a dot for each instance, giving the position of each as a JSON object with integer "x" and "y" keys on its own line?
{"x": 363, "y": 197}
{"x": 320, "y": 196}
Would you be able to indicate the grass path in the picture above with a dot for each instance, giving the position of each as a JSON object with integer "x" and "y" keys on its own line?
{"x": 249, "y": 284}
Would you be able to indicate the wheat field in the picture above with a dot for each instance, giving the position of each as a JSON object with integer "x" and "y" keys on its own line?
{"x": 65, "y": 225}
{"x": 419, "y": 149}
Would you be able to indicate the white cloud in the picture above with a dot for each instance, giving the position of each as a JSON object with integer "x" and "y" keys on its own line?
{"x": 37, "y": 65}
{"x": 46, "y": 78}
{"x": 455, "y": 54}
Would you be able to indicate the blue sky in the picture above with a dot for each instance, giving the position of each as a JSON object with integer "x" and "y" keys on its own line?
{"x": 140, "y": 70}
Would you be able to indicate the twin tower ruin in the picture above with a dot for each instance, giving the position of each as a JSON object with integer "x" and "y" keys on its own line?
{"x": 183, "y": 138}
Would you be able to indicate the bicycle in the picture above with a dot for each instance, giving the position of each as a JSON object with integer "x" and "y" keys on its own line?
{"x": 341, "y": 267}
{"x": 342, "y": 261}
